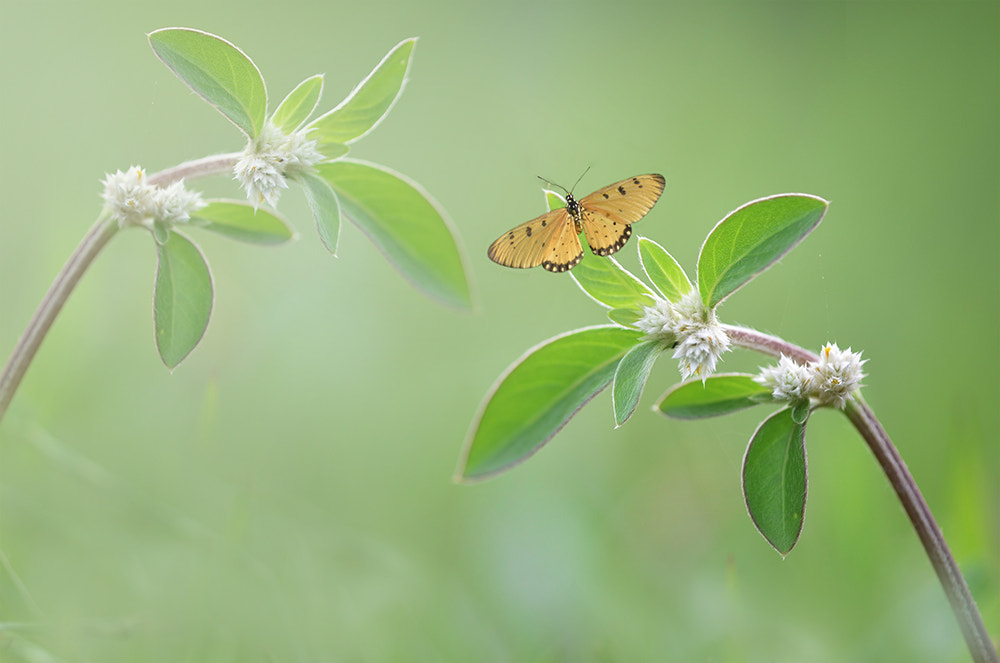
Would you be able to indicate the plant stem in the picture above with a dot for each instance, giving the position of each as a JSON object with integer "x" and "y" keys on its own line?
{"x": 861, "y": 415}
{"x": 51, "y": 304}
{"x": 95, "y": 240}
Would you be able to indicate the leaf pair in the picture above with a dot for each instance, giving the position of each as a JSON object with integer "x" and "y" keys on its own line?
{"x": 774, "y": 466}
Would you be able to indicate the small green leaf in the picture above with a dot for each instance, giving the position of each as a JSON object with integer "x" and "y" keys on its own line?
{"x": 538, "y": 394}
{"x": 801, "y": 411}
{"x": 239, "y": 220}
{"x": 774, "y": 480}
{"x": 719, "y": 394}
{"x": 553, "y": 199}
{"x": 626, "y": 317}
{"x": 750, "y": 239}
{"x": 325, "y": 209}
{"x": 217, "y": 71}
{"x": 630, "y": 378}
{"x": 333, "y": 151}
{"x": 406, "y": 224}
{"x": 370, "y": 101}
{"x": 182, "y": 298}
{"x": 296, "y": 108}
{"x": 662, "y": 270}
{"x": 610, "y": 284}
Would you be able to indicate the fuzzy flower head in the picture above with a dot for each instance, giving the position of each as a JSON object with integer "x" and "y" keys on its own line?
{"x": 829, "y": 381}
{"x": 135, "y": 202}
{"x": 838, "y": 373}
{"x": 269, "y": 159}
{"x": 694, "y": 331}
{"x": 789, "y": 380}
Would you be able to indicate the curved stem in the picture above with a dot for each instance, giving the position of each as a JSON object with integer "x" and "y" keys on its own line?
{"x": 861, "y": 415}
{"x": 95, "y": 239}
{"x": 51, "y": 304}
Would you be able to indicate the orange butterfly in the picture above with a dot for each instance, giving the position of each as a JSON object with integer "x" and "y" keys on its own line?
{"x": 606, "y": 216}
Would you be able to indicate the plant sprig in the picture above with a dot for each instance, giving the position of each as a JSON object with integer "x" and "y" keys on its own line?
{"x": 538, "y": 394}
{"x": 410, "y": 228}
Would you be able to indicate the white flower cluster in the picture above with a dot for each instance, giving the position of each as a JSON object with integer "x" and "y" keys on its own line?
{"x": 830, "y": 381}
{"x": 133, "y": 202}
{"x": 691, "y": 328}
{"x": 270, "y": 159}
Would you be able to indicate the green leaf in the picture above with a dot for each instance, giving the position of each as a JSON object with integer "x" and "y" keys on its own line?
{"x": 750, "y": 239}
{"x": 538, "y": 394}
{"x": 406, "y": 224}
{"x": 325, "y": 209}
{"x": 630, "y": 378}
{"x": 182, "y": 298}
{"x": 662, "y": 270}
{"x": 296, "y": 108}
{"x": 610, "y": 284}
{"x": 370, "y": 101}
{"x": 719, "y": 394}
{"x": 626, "y": 317}
{"x": 801, "y": 411}
{"x": 239, "y": 220}
{"x": 774, "y": 480}
{"x": 218, "y": 72}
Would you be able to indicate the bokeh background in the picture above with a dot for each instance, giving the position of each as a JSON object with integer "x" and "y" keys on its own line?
{"x": 286, "y": 494}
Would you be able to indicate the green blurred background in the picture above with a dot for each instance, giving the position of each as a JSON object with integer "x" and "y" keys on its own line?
{"x": 286, "y": 494}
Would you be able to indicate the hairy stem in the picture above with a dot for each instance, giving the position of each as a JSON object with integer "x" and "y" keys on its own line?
{"x": 95, "y": 240}
{"x": 864, "y": 420}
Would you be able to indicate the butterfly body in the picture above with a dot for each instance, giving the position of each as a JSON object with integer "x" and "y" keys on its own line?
{"x": 552, "y": 240}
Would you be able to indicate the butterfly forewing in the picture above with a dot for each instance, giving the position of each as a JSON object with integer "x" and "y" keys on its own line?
{"x": 531, "y": 244}
{"x": 608, "y": 213}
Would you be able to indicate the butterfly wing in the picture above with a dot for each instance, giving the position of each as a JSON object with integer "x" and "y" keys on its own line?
{"x": 609, "y": 213}
{"x": 549, "y": 240}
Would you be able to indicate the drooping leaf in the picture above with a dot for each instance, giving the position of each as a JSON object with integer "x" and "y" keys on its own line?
{"x": 662, "y": 270}
{"x": 774, "y": 480}
{"x": 182, "y": 298}
{"x": 296, "y": 108}
{"x": 369, "y": 102}
{"x": 719, "y": 394}
{"x": 538, "y": 394}
{"x": 406, "y": 224}
{"x": 217, "y": 71}
{"x": 239, "y": 220}
{"x": 630, "y": 378}
{"x": 325, "y": 209}
{"x": 610, "y": 284}
{"x": 751, "y": 238}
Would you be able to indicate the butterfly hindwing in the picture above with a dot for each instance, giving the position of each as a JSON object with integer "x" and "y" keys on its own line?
{"x": 608, "y": 213}
{"x": 535, "y": 242}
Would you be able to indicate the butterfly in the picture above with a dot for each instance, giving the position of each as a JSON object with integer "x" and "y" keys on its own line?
{"x": 552, "y": 240}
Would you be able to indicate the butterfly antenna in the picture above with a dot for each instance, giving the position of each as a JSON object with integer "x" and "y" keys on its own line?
{"x": 580, "y": 178}
{"x": 551, "y": 183}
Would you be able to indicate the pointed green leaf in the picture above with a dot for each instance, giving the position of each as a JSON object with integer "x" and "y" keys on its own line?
{"x": 406, "y": 224}
{"x": 370, "y": 101}
{"x": 239, "y": 220}
{"x": 217, "y": 71}
{"x": 538, "y": 394}
{"x": 610, "y": 284}
{"x": 325, "y": 209}
{"x": 801, "y": 411}
{"x": 750, "y": 239}
{"x": 182, "y": 298}
{"x": 296, "y": 108}
{"x": 630, "y": 378}
{"x": 662, "y": 270}
{"x": 626, "y": 317}
{"x": 718, "y": 394}
{"x": 774, "y": 480}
